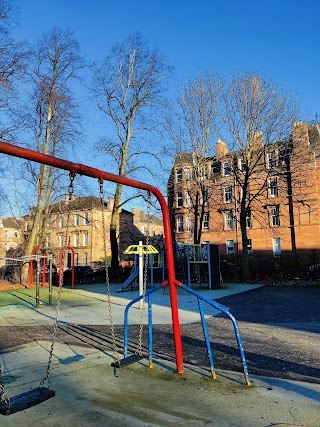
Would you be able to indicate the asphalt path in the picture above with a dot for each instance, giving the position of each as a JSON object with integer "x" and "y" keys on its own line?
{"x": 279, "y": 326}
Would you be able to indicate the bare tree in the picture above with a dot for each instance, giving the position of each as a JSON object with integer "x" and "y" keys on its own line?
{"x": 255, "y": 114}
{"x": 191, "y": 127}
{"x": 128, "y": 87}
{"x": 56, "y": 61}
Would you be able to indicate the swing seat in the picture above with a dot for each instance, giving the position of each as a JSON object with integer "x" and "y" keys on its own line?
{"x": 26, "y": 400}
{"x": 127, "y": 361}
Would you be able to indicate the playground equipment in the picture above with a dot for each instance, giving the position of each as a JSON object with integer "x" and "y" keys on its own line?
{"x": 31, "y": 259}
{"x": 200, "y": 299}
{"x": 196, "y": 256}
{"x": 143, "y": 255}
{"x": 39, "y": 394}
{"x": 32, "y": 397}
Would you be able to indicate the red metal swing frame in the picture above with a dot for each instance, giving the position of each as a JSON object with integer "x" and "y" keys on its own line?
{"x": 77, "y": 168}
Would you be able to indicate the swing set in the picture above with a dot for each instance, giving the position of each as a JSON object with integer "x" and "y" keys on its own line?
{"x": 41, "y": 393}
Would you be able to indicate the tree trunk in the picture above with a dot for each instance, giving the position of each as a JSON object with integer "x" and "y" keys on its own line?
{"x": 114, "y": 225}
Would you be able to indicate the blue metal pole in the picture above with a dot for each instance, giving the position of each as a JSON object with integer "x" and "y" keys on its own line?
{"x": 224, "y": 310}
{"x": 207, "y": 339}
{"x": 150, "y": 330}
{"x": 126, "y": 317}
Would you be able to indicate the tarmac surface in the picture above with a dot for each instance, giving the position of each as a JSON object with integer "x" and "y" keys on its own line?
{"x": 90, "y": 393}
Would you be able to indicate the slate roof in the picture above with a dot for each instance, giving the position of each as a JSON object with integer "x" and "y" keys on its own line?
{"x": 78, "y": 204}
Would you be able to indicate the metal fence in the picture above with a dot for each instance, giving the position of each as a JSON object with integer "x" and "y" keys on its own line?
{"x": 290, "y": 265}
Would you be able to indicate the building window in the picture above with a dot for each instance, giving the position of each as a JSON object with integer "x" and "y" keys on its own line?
{"x": 247, "y": 192}
{"x": 206, "y": 197}
{"x": 276, "y": 246}
{"x": 228, "y": 221}
{"x": 188, "y": 200}
{"x": 179, "y": 175}
{"x": 205, "y": 224}
{"x": 6, "y": 234}
{"x": 242, "y": 164}
{"x": 180, "y": 224}
{"x": 76, "y": 239}
{"x": 275, "y": 216}
{"x": 271, "y": 160}
{"x": 86, "y": 218}
{"x": 188, "y": 224}
{"x": 26, "y": 226}
{"x": 61, "y": 222}
{"x": 85, "y": 258}
{"x": 230, "y": 247}
{"x": 187, "y": 174}
{"x": 226, "y": 168}
{"x": 6, "y": 246}
{"x": 76, "y": 258}
{"x": 249, "y": 246}
{"x": 179, "y": 199}
{"x": 16, "y": 234}
{"x": 227, "y": 194}
{"x": 60, "y": 240}
{"x": 85, "y": 239}
{"x": 248, "y": 220}
{"x": 273, "y": 187}
{"x": 204, "y": 172}
{"x": 76, "y": 219}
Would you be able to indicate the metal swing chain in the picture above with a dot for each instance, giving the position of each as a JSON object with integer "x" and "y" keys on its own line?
{"x": 55, "y": 326}
{"x": 145, "y": 278}
{"x": 104, "y": 236}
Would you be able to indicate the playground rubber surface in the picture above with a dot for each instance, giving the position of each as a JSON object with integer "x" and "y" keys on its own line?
{"x": 280, "y": 331}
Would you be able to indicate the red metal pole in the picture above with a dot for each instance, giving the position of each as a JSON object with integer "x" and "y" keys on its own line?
{"x": 80, "y": 169}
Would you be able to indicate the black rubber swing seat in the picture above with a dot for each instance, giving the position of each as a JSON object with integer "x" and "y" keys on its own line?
{"x": 26, "y": 400}
{"x": 127, "y": 361}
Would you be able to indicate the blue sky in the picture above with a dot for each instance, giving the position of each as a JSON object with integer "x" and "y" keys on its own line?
{"x": 278, "y": 38}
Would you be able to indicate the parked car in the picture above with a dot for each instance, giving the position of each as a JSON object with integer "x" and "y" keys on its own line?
{"x": 54, "y": 269}
{"x": 81, "y": 274}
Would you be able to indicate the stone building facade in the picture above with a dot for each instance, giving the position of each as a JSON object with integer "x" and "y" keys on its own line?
{"x": 284, "y": 193}
{"x": 84, "y": 232}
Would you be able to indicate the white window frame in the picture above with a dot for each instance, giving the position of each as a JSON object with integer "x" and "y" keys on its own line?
{"x": 188, "y": 224}
{"x": 273, "y": 187}
{"x": 60, "y": 239}
{"x": 187, "y": 199}
{"x": 86, "y": 218}
{"x": 61, "y": 222}
{"x": 275, "y": 216}
{"x": 227, "y": 194}
{"x": 228, "y": 221}
{"x": 226, "y": 168}
{"x": 85, "y": 239}
{"x": 230, "y": 247}
{"x": 187, "y": 174}
{"x": 205, "y": 222}
{"x": 178, "y": 175}
{"x": 76, "y": 219}
{"x": 271, "y": 160}
{"x": 180, "y": 224}
{"x": 242, "y": 164}
{"x": 276, "y": 246}
{"x": 179, "y": 199}
{"x": 85, "y": 258}
{"x": 249, "y": 221}
{"x": 76, "y": 239}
